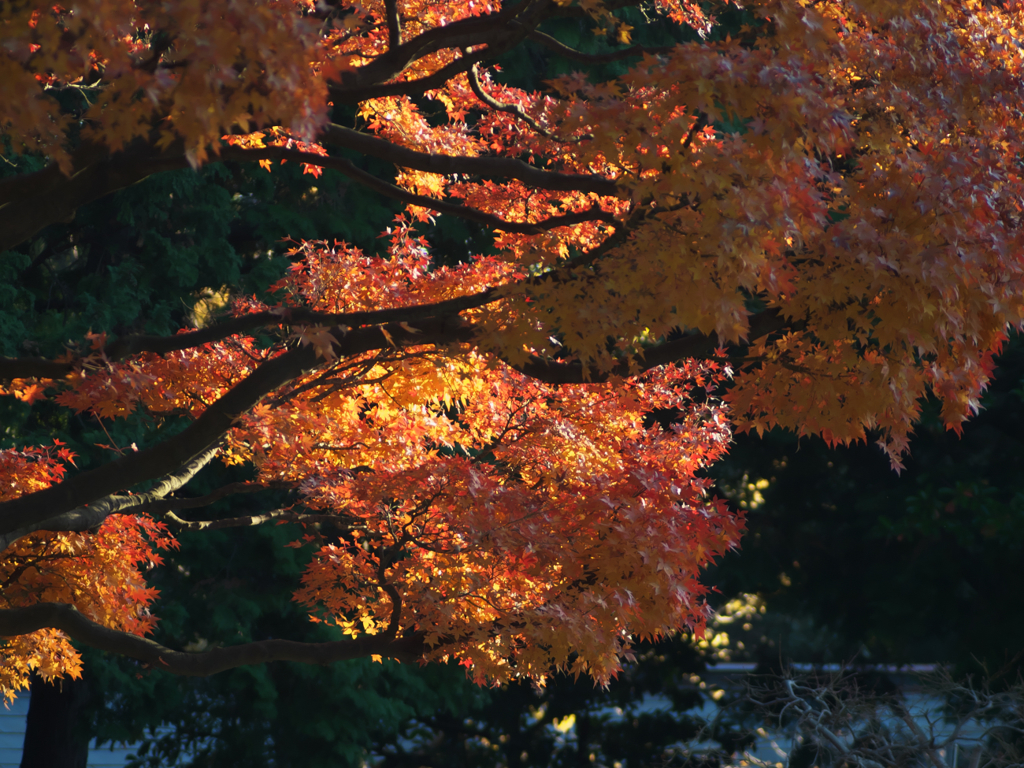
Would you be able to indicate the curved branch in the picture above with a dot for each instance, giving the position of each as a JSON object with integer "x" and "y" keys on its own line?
{"x": 66, "y": 618}
{"x": 173, "y": 453}
{"x": 493, "y": 168}
{"x": 697, "y": 345}
{"x": 162, "y": 458}
{"x": 119, "y": 349}
{"x": 411, "y": 198}
{"x": 131, "y": 345}
{"x": 48, "y": 178}
{"x": 499, "y": 31}
{"x": 419, "y": 85}
{"x": 250, "y": 521}
{"x": 36, "y": 200}
{"x": 85, "y": 517}
{"x": 125, "y": 346}
{"x": 172, "y": 505}
{"x": 512, "y": 109}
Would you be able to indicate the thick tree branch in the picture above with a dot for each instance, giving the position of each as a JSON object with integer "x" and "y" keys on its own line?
{"x": 84, "y": 631}
{"x": 46, "y": 179}
{"x": 419, "y": 85}
{"x": 126, "y": 346}
{"x": 36, "y": 200}
{"x": 163, "y": 458}
{"x": 85, "y": 517}
{"x": 169, "y": 455}
{"x": 34, "y": 368}
{"x": 394, "y": 24}
{"x": 498, "y": 31}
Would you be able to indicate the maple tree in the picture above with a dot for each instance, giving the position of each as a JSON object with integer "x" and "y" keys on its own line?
{"x": 811, "y": 225}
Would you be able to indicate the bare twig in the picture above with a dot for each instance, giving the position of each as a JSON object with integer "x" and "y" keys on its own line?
{"x": 594, "y": 58}
{"x": 248, "y": 521}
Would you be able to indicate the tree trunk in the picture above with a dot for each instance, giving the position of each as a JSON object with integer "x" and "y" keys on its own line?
{"x": 53, "y": 736}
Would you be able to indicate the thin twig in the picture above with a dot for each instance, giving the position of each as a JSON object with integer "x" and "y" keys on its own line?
{"x": 247, "y": 521}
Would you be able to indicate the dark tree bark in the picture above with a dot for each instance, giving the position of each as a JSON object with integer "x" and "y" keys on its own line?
{"x": 52, "y": 736}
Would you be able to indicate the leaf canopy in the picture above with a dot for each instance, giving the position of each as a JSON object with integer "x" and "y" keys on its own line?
{"x": 809, "y": 221}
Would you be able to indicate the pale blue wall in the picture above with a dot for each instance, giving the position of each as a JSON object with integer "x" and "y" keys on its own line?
{"x": 12, "y": 733}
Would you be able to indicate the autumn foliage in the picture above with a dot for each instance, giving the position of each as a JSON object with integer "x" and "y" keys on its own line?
{"x": 812, "y": 221}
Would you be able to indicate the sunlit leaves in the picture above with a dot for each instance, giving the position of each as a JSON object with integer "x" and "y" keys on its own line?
{"x": 549, "y": 529}
{"x": 105, "y": 54}
{"x": 98, "y": 572}
{"x": 521, "y": 527}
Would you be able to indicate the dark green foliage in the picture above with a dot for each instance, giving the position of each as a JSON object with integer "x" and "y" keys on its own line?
{"x": 138, "y": 260}
{"x": 918, "y": 567}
